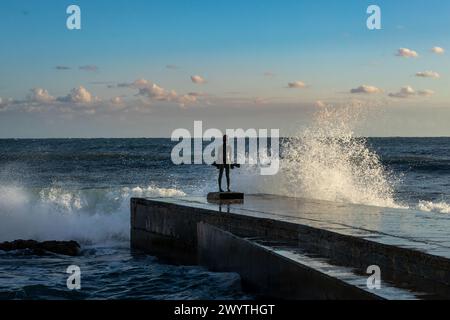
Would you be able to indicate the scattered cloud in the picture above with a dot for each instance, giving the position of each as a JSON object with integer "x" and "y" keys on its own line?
{"x": 154, "y": 92}
{"x": 407, "y": 53}
{"x": 197, "y": 79}
{"x": 136, "y": 84}
{"x": 91, "y": 68}
{"x": 172, "y": 66}
{"x": 405, "y": 92}
{"x": 40, "y": 100}
{"x": 366, "y": 89}
{"x": 438, "y": 50}
{"x": 425, "y": 93}
{"x": 269, "y": 74}
{"x": 62, "y": 68}
{"x": 408, "y": 91}
{"x": 78, "y": 95}
{"x": 40, "y": 95}
{"x": 108, "y": 83}
{"x": 157, "y": 93}
{"x": 187, "y": 99}
{"x": 428, "y": 74}
{"x": 296, "y": 85}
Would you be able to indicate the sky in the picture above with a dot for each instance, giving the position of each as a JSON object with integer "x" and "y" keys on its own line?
{"x": 144, "y": 68}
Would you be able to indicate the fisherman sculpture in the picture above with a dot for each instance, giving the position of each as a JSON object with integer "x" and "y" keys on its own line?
{"x": 224, "y": 162}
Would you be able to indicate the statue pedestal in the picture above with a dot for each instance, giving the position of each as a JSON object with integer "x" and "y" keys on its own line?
{"x": 225, "y": 197}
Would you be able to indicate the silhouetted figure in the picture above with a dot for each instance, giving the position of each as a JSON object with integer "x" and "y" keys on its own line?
{"x": 224, "y": 162}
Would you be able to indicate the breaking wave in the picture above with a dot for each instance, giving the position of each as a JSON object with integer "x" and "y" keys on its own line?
{"x": 86, "y": 215}
{"x": 327, "y": 161}
{"x": 438, "y": 207}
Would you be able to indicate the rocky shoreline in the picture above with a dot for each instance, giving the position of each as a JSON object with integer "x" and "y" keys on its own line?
{"x": 68, "y": 248}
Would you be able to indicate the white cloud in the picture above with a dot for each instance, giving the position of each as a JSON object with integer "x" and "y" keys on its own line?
{"x": 187, "y": 99}
{"x": 136, "y": 84}
{"x": 91, "y": 68}
{"x": 405, "y": 92}
{"x": 408, "y": 92}
{"x": 425, "y": 93}
{"x": 407, "y": 53}
{"x": 155, "y": 92}
{"x": 40, "y": 95}
{"x": 366, "y": 89}
{"x": 296, "y": 85}
{"x": 78, "y": 95}
{"x": 438, "y": 50}
{"x": 269, "y": 74}
{"x": 428, "y": 74}
{"x": 197, "y": 79}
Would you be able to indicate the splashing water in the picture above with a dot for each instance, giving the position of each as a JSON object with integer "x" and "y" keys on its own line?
{"x": 85, "y": 215}
{"x": 429, "y": 206}
{"x": 327, "y": 161}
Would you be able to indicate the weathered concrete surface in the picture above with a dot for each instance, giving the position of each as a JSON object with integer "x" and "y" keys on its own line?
{"x": 411, "y": 248}
{"x": 265, "y": 271}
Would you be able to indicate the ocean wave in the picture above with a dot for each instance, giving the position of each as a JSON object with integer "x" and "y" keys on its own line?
{"x": 326, "y": 161}
{"x": 438, "y": 207}
{"x": 86, "y": 215}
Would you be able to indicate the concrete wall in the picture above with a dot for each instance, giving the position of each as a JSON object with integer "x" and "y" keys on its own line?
{"x": 265, "y": 272}
{"x": 171, "y": 230}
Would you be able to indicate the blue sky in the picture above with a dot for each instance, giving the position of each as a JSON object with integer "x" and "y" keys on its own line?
{"x": 245, "y": 53}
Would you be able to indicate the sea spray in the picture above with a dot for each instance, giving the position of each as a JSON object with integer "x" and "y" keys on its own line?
{"x": 85, "y": 215}
{"x": 327, "y": 161}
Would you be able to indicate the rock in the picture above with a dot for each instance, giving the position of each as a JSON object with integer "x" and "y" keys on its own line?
{"x": 68, "y": 248}
{"x": 225, "y": 197}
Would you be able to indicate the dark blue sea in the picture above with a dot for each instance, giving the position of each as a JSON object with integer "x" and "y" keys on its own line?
{"x": 79, "y": 189}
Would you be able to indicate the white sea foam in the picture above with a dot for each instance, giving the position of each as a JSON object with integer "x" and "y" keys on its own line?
{"x": 429, "y": 206}
{"x": 87, "y": 215}
{"x": 153, "y": 191}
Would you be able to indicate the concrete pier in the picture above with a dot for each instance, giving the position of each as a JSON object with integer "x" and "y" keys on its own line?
{"x": 301, "y": 249}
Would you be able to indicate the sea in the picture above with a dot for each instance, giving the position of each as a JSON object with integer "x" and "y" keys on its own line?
{"x": 79, "y": 189}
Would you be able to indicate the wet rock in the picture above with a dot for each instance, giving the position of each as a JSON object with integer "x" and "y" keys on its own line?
{"x": 68, "y": 248}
